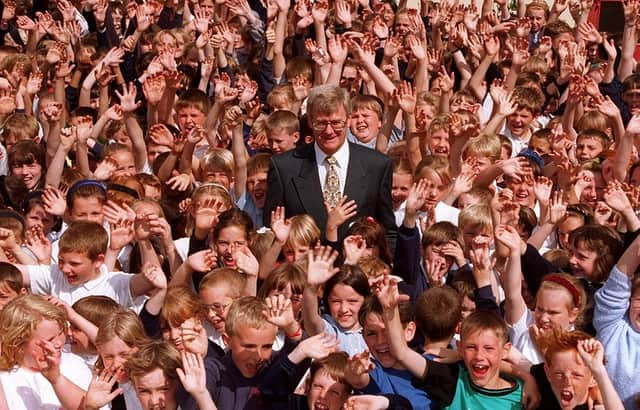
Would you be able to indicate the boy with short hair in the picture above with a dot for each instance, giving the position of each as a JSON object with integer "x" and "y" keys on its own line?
{"x": 283, "y": 131}
{"x": 252, "y": 201}
{"x": 81, "y": 271}
{"x": 519, "y": 125}
{"x": 590, "y": 144}
{"x": 10, "y": 283}
{"x": 538, "y": 14}
{"x": 476, "y": 383}
{"x": 365, "y": 120}
{"x": 438, "y": 136}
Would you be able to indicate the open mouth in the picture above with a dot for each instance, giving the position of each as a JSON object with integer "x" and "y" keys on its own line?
{"x": 320, "y": 406}
{"x": 479, "y": 370}
{"x": 566, "y": 397}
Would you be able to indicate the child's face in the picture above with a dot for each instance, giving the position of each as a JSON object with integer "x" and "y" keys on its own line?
{"x": 439, "y": 143}
{"x": 582, "y": 261}
{"x": 155, "y": 391}
{"x": 552, "y": 309}
{"x": 400, "y": 186}
{"x": 29, "y": 173}
{"x": 189, "y": 117}
{"x": 38, "y": 217}
{"x": 375, "y": 336}
{"x": 229, "y": 239}
{"x": 588, "y": 148}
{"x": 152, "y": 192}
{"x": 570, "y": 378}
{"x": 468, "y": 307}
{"x": 470, "y": 234}
{"x": 153, "y": 150}
{"x": 344, "y": 304}
{"x": 218, "y": 176}
{"x": 176, "y": 335}
{"x": 257, "y": 187}
{"x": 540, "y": 145}
{"x": 294, "y": 252}
{"x": 435, "y": 189}
{"x": 251, "y": 348}
{"x": 466, "y": 199}
{"x": 80, "y": 343}
{"x": 34, "y": 354}
{"x": 87, "y": 209}
{"x": 217, "y": 300}
{"x": 115, "y": 354}
{"x": 482, "y": 352}
{"x": 325, "y": 392}
{"x": 365, "y": 124}
{"x": 522, "y": 191}
{"x": 167, "y": 44}
{"x": 281, "y": 141}
{"x": 520, "y": 121}
{"x": 568, "y": 225}
{"x": 126, "y": 163}
{"x": 78, "y": 268}
{"x": 7, "y": 294}
{"x": 426, "y": 112}
{"x": 434, "y": 254}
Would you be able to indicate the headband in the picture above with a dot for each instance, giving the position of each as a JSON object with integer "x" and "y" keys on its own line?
{"x": 82, "y": 183}
{"x": 565, "y": 283}
{"x": 124, "y": 189}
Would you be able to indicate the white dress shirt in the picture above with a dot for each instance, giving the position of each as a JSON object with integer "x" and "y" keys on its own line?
{"x": 342, "y": 158}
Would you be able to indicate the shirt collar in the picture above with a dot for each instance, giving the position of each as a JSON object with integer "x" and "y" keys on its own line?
{"x": 341, "y": 156}
{"x": 94, "y": 283}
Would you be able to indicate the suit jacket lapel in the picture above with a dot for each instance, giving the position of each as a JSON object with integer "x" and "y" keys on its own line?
{"x": 356, "y": 183}
{"x": 307, "y": 183}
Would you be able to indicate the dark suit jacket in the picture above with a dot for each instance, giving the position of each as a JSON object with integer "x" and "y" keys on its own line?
{"x": 294, "y": 183}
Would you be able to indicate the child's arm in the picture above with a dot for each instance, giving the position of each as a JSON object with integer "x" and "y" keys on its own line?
{"x": 76, "y": 319}
{"x": 530, "y": 391}
{"x": 515, "y": 305}
{"x": 617, "y": 199}
{"x": 624, "y": 147}
{"x": 629, "y": 40}
{"x": 336, "y": 216}
{"x": 129, "y": 105}
{"x": 279, "y": 63}
{"x": 280, "y": 227}
{"x": 239, "y": 152}
{"x": 357, "y": 371}
{"x": 193, "y": 377}
{"x": 389, "y": 297}
{"x": 70, "y": 395}
{"x": 247, "y": 264}
{"x": 155, "y": 275}
{"x": 592, "y": 353}
{"x": 56, "y": 165}
{"x": 202, "y": 261}
{"x": 280, "y": 313}
{"x": 320, "y": 269}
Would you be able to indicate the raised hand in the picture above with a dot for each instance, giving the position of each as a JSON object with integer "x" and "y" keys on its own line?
{"x": 558, "y": 207}
{"x": 128, "y": 98}
{"x": 616, "y": 197}
{"x": 542, "y": 189}
{"x": 206, "y": 213}
{"x": 592, "y": 354}
{"x": 354, "y": 248}
{"x": 320, "y": 268}
{"x": 38, "y": 244}
{"x": 509, "y": 237}
{"x": 386, "y": 290}
{"x": 319, "y": 346}
{"x": 366, "y": 402}
{"x": 279, "y": 311}
{"x": 121, "y": 233}
{"x": 280, "y": 225}
{"x": 193, "y": 375}
{"x": 417, "y": 196}
{"x": 359, "y": 364}
{"x": 54, "y": 202}
{"x": 246, "y": 261}
{"x": 100, "y": 393}
{"x": 202, "y": 261}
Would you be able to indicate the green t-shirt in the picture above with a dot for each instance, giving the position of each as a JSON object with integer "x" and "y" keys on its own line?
{"x": 450, "y": 386}
{"x": 471, "y": 397}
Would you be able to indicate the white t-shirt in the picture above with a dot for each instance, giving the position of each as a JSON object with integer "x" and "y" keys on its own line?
{"x": 26, "y": 389}
{"x": 49, "y": 280}
{"x": 519, "y": 336}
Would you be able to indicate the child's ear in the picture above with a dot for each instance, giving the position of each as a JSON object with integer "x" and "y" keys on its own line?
{"x": 23, "y": 291}
{"x": 296, "y": 137}
{"x": 225, "y": 338}
{"x": 308, "y": 139}
{"x": 99, "y": 259}
{"x": 410, "y": 331}
{"x": 507, "y": 346}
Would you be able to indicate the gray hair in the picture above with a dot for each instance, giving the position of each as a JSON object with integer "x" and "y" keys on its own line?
{"x": 325, "y": 99}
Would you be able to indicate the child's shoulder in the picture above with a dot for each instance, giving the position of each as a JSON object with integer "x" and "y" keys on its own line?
{"x": 508, "y": 397}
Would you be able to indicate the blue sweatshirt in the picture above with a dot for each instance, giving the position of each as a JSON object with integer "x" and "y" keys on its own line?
{"x": 621, "y": 341}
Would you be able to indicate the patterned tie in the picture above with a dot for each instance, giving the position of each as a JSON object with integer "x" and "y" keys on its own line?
{"x": 331, "y": 190}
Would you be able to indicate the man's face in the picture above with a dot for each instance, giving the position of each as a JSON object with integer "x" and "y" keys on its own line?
{"x": 155, "y": 391}
{"x": 365, "y": 124}
{"x": 482, "y": 352}
{"x": 570, "y": 378}
{"x": 87, "y": 209}
{"x": 520, "y": 121}
{"x": 329, "y": 130}
{"x": 257, "y": 188}
{"x": 251, "y": 348}
{"x": 281, "y": 141}
{"x": 189, "y": 117}
{"x": 78, "y": 268}
{"x": 537, "y": 19}
{"x": 325, "y": 392}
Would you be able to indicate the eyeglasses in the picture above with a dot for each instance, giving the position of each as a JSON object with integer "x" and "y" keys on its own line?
{"x": 337, "y": 125}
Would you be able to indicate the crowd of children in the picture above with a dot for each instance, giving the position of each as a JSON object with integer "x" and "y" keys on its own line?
{"x": 323, "y": 205}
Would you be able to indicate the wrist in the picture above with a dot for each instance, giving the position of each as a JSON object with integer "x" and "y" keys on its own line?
{"x": 293, "y": 331}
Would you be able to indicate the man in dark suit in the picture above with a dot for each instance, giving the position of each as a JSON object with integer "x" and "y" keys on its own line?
{"x": 303, "y": 179}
